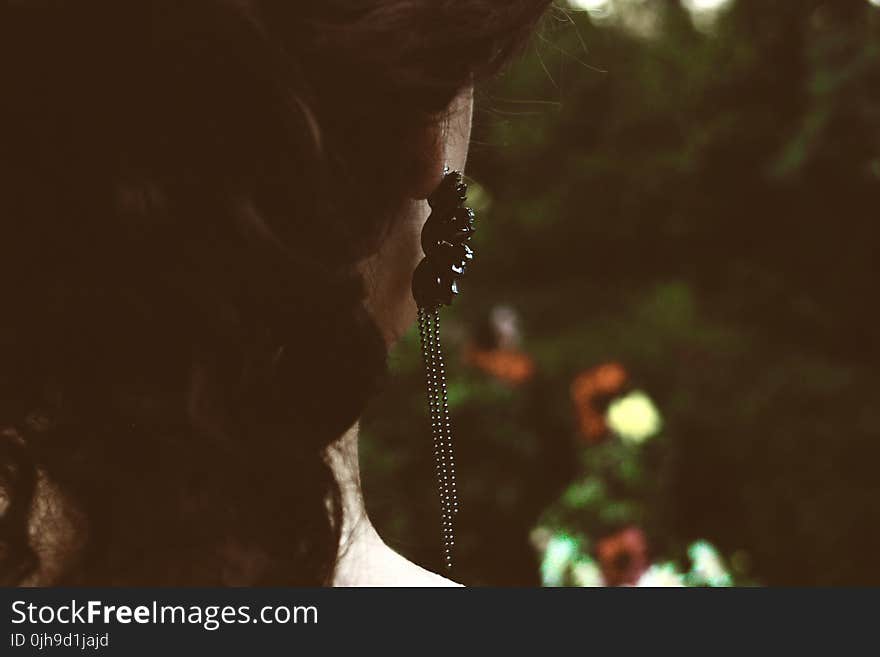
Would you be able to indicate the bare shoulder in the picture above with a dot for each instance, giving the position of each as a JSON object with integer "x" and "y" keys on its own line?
{"x": 402, "y": 572}
{"x": 367, "y": 561}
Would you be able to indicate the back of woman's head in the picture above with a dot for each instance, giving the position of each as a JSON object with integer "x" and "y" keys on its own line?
{"x": 185, "y": 190}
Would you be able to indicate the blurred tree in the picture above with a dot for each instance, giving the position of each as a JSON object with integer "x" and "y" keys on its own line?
{"x": 701, "y": 206}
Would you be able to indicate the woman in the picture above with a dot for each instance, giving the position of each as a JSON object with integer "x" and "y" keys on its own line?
{"x": 209, "y": 220}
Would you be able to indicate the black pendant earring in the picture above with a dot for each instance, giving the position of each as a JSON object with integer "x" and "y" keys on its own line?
{"x": 435, "y": 283}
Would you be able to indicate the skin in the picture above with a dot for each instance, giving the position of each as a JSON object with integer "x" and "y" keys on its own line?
{"x": 389, "y": 272}
{"x": 364, "y": 558}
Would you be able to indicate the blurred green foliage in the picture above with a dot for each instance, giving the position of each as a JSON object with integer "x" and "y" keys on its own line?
{"x": 698, "y": 202}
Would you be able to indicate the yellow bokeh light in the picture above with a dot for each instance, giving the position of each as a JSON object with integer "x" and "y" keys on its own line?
{"x": 590, "y": 5}
{"x": 705, "y": 5}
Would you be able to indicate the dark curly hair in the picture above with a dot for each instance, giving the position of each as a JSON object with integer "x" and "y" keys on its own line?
{"x": 185, "y": 189}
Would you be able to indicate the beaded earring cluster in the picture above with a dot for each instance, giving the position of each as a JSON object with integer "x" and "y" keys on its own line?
{"x": 445, "y": 240}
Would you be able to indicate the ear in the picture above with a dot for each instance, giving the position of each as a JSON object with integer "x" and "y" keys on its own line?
{"x": 427, "y": 157}
{"x": 436, "y": 143}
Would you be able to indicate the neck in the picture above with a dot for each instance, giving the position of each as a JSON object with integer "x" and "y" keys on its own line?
{"x": 359, "y": 539}
{"x": 363, "y": 558}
